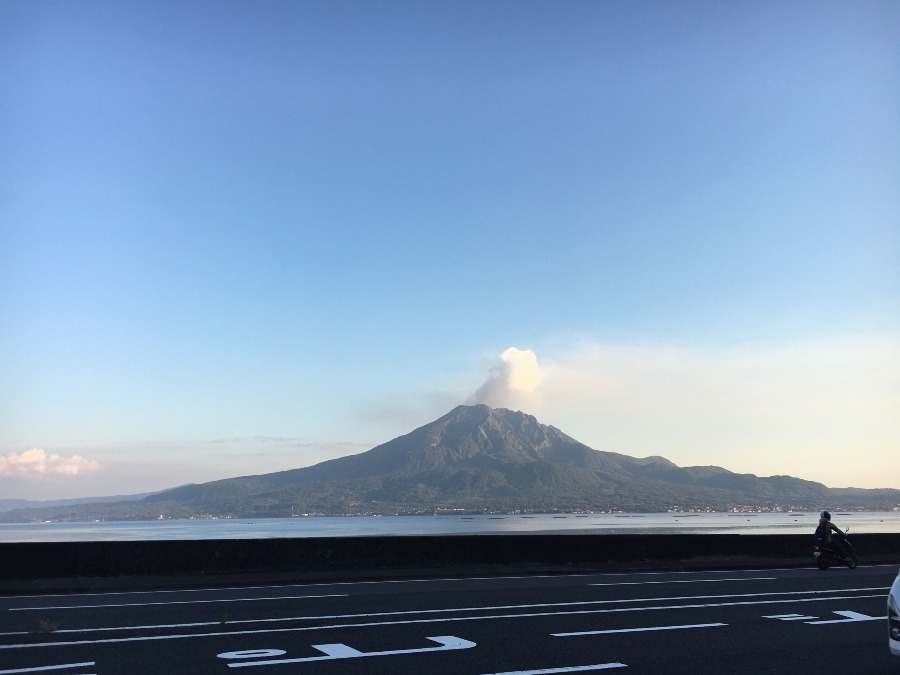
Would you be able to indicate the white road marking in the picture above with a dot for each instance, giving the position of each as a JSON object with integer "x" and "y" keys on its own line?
{"x": 488, "y": 617}
{"x": 342, "y": 651}
{"x": 790, "y": 617}
{"x": 406, "y": 581}
{"x": 339, "y": 650}
{"x": 252, "y": 654}
{"x": 201, "y": 624}
{"x": 682, "y": 581}
{"x": 399, "y": 581}
{"x": 41, "y": 669}
{"x": 570, "y": 669}
{"x": 638, "y": 630}
{"x": 180, "y": 602}
{"x": 318, "y": 585}
{"x": 849, "y": 617}
{"x": 396, "y": 581}
{"x": 491, "y": 608}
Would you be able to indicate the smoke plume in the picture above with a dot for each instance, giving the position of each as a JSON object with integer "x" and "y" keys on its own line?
{"x": 513, "y": 382}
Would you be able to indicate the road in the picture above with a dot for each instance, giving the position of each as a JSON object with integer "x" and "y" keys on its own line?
{"x": 746, "y": 621}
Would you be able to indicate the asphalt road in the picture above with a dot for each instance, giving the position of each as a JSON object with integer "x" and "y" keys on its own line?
{"x": 747, "y": 621}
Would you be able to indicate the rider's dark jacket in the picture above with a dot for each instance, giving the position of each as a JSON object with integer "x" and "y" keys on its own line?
{"x": 823, "y": 531}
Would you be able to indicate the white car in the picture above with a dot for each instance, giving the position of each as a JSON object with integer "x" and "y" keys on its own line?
{"x": 893, "y": 607}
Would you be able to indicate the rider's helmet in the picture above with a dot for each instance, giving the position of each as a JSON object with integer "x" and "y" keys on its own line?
{"x": 826, "y": 515}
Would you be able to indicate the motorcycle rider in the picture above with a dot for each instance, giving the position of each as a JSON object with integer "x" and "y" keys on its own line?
{"x": 824, "y": 530}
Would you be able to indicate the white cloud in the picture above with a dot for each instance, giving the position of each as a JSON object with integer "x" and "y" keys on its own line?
{"x": 513, "y": 382}
{"x": 36, "y": 463}
{"x": 825, "y": 410}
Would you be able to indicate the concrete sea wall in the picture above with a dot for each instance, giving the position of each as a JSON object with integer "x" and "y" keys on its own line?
{"x": 377, "y": 556}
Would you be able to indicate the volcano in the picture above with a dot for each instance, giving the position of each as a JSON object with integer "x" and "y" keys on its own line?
{"x": 482, "y": 459}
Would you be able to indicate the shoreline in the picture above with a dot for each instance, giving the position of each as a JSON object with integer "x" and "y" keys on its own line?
{"x": 862, "y": 522}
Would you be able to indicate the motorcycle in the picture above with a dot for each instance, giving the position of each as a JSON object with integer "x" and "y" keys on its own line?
{"x": 839, "y": 552}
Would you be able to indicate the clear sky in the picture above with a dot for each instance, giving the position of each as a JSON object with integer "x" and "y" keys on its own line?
{"x": 240, "y": 237}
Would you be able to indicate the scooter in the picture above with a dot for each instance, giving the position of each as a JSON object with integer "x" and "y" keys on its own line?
{"x": 838, "y": 553}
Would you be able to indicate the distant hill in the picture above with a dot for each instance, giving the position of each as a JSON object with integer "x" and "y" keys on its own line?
{"x": 476, "y": 458}
{"x": 13, "y": 504}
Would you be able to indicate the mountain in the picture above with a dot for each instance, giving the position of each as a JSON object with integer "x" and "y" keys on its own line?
{"x": 12, "y": 504}
{"x": 476, "y": 458}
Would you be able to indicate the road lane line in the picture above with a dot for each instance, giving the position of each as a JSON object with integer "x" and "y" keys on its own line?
{"x": 569, "y": 669}
{"x": 488, "y": 617}
{"x": 414, "y": 581}
{"x": 40, "y": 669}
{"x": 638, "y": 630}
{"x": 767, "y": 570}
{"x": 405, "y": 581}
{"x": 490, "y": 608}
{"x": 317, "y": 585}
{"x": 180, "y": 602}
{"x": 683, "y": 581}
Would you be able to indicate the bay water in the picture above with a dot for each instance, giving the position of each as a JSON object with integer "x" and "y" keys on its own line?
{"x": 362, "y": 526}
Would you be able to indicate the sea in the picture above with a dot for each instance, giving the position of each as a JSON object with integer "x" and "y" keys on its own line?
{"x": 365, "y": 526}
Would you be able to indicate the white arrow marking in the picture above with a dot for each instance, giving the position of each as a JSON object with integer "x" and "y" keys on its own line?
{"x": 790, "y": 617}
{"x": 850, "y": 617}
{"x": 341, "y": 651}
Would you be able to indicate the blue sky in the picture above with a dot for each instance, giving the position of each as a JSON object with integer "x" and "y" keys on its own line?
{"x": 239, "y": 237}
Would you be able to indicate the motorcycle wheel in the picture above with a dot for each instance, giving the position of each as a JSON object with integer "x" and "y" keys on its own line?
{"x": 822, "y": 563}
{"x": 852, "y": 562}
